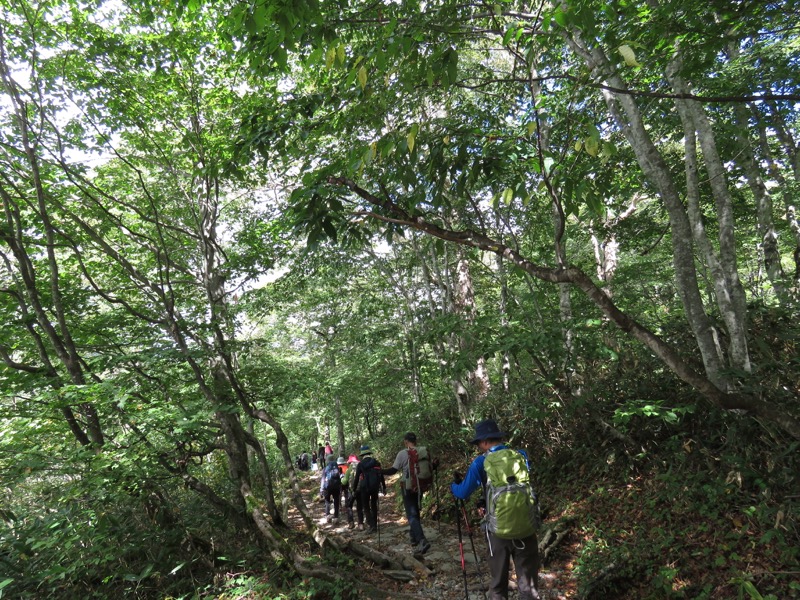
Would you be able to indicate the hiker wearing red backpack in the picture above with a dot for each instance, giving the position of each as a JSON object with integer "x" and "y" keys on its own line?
{"x": 415, "y": 464}
{"x": 510, "y": 510}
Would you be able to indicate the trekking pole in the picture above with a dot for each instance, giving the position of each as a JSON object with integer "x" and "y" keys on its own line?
{"x": 472, "y": 542}
{"x": 461, "y": 551}
{"x": 377, "y": 517}
{"x": 436, "y": 487}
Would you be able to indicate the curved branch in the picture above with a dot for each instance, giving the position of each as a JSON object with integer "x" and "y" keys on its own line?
{"x": 575, "y": 276}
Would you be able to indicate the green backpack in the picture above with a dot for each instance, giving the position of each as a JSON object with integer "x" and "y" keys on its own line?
{"x": 511, "y": 509}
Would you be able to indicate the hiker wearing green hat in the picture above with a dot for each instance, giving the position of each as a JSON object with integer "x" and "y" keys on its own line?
{"x": 369, "y": 482}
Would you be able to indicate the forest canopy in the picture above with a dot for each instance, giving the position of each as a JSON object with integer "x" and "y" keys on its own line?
{"x": 232, "y": 230}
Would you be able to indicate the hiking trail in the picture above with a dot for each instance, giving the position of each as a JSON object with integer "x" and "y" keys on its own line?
{"x": 441, "y": 576}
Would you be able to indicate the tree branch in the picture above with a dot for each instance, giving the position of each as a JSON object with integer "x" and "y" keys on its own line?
{"x": 575, "y": 276}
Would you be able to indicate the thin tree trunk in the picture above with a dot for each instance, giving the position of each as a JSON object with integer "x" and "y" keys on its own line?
{"x": 763, "y": 200}
{"x": 786, "y": 191}
{"x": 505, "y": 365}
{"x": 730, "y": 295}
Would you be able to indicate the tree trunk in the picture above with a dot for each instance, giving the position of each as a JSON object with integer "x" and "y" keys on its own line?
{"x": 341, "y": 448}
{"x": 668, "y": 355}
{"x": 730, "y": 295}
{"x": 505, "y": 364}
{"x": 627, "y": 116}
{"x": 58, "y": 331}
{"x": 465, "y": 307}
{"x": 786, "y": 191}
{"x": 763, "y": 200}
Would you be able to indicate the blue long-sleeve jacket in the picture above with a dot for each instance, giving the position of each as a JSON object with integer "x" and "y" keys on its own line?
{"x": 476, "y": 474}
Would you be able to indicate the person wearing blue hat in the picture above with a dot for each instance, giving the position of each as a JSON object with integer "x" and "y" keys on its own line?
{"x": 503, "y": 546}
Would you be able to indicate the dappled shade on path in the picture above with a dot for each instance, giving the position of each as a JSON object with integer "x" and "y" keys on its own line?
{"x": 438, "y": 574}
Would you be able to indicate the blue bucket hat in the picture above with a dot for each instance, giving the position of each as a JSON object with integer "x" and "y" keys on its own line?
{"x": 365, "y": 451}
{"x": 487, "y": 430}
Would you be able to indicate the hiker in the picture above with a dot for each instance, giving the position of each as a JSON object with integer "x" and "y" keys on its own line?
{"x": 350, "y": 497}
{"x": 304, "y": 461}
{"x": 511, "y": 533}
{"x": 330, "y": 489}
{"x": 342, "y": 465}
{"x": 328, "y": 449}
{"x": 369, "y": 481}
{"x": 415, "y": 465}
{"x": 314, "y": 466}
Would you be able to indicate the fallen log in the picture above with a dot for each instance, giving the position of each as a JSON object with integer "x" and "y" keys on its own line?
{"x": 412, "y": 564}
{"x": 385, "y": 561}
{"x": 404, "y": 576}
{"x": 378, "y": 558}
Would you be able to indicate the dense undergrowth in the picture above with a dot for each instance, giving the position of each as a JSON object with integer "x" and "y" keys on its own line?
{"x": 696, "y": 514}
{"x": 668, "y": 497}
{"x": 698, "y": 517}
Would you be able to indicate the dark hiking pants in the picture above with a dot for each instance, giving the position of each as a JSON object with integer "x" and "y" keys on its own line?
{"x": 369, "y": 501}
{"x": 411, "y": 502}
{"x": 525, "y": 553}
{"x": 333, "y": 496}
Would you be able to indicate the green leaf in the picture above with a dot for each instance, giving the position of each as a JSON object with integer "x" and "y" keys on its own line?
{"x": 362, "y": 77}
{"x": 751, "y": 590}
{"x": 592, "y": 145}
{"x": 260, "y": 17}
{"x": 629, "y": 55}
{"x": 452, "y": 66}
{"x": 412, "y": 137}
{"x": 368, "y": 155}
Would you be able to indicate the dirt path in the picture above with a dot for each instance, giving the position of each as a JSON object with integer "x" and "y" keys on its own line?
{"x": 444, "y": 557}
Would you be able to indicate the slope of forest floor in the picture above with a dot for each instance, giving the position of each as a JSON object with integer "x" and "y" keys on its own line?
{"x": 668, "y": 533}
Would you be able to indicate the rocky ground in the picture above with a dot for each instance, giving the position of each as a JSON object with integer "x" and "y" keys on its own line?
{"x": 440, "y": 575}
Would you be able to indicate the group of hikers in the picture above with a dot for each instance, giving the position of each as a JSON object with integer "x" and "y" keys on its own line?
{"x": 508, "y": 505}
{"x": 315, "y": 460}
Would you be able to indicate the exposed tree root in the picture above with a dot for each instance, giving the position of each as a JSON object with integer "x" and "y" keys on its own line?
{"x": 551, "y": 536}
